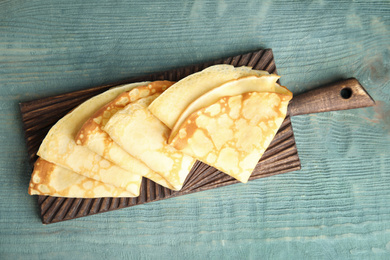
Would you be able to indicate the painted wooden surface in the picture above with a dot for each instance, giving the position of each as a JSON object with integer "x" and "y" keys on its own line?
{"x": 336, "y": 207}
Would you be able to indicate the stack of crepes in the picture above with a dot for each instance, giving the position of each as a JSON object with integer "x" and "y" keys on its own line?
{"x": 223, "y": 116}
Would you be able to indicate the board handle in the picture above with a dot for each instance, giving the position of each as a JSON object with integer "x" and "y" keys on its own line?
{"x": 341, "y": 95}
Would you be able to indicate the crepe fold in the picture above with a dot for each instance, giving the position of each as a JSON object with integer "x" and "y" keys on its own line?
{"x": 142, "y": 135}
{"x": 265, "y": 83}
{"x": 230, "y": 120}
{"x": 50, "y": 179}
{"x": 233, "y": 133}
{"x": 59, "y": 146}
{"x": 169, "y": 106}
{"x": 92, "y": 135}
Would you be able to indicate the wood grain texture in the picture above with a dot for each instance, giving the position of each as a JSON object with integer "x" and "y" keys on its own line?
{"x": 340, "y": 95}
{"x": 335, "y": 207}
{"x": 39, "y": 115}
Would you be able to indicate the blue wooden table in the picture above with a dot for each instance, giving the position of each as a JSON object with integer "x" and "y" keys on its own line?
{"x": 336, "y": 207}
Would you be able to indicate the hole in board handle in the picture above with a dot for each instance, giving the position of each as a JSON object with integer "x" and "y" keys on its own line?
{"x": 346, "y": 93}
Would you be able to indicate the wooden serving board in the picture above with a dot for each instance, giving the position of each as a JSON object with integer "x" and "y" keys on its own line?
{"x": 280, "y": 157}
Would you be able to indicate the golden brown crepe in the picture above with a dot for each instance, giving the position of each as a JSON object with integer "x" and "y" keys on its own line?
{"x": 59, "y": 146}
{"x": 265, "y": 83}
{"x": 53, "y": 180}
{"x": 92, "y": 135}
{"x": 223, "y": 116}
{"x": 169, "y": 106}
{"x": 142, "y": 135}
{"x": 233, "y": 133}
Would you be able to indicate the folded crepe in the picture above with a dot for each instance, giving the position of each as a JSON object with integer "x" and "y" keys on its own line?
{"x": 265, "y": 83}
{"x": 92, "y": 135}
{"x": 53, "y": 180}
{"x": 59, "y": 146}
{"x": 142, "y": 135}
{"x": 169, "y": 106}
{"x": 231, "y": 130}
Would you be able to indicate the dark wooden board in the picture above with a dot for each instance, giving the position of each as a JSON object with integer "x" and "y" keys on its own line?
{"x": 39, "y": 115}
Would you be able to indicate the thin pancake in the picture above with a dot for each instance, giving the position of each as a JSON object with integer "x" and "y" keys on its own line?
{"x": 172, "y": 102}
{"x": 92, "y": 135}
{"x": 265, "y": 83}
{"x": 142, "y": 135}
{"x": 60, "y": 148}
{"x": 53, "y": 180}
{"x": 233, "y": 133}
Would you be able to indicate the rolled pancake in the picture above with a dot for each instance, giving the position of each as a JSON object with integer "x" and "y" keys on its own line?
{"x": 265, "y": 83}
{"x": 142, "y": 135}
{"x": 169, "y": 106}
{"x": 52, "y": 180}
{"x": 92, "y": 135}
{"x": 233, "y": 133}
{"x": 59, "y": 146}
